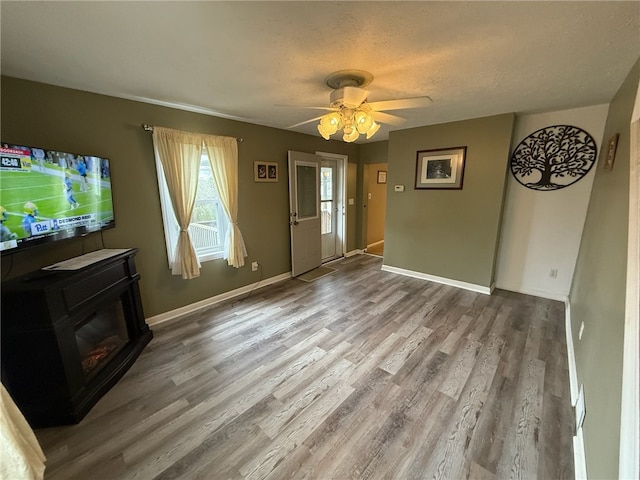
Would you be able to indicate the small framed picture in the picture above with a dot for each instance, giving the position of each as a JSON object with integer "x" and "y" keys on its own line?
{"x": 442, "y": 168}
{"x": 265, "y": 171}
{"x": 612, "y": 146}
{"x": 382, "y": 176}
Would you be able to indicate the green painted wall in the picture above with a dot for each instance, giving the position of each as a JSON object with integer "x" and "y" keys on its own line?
{"x": 598, "y": 292}
{"x": 352, "y": 210}
{"x": 80, "y": 122}
{"x": 375, "y": 152}
{"x": 449, "y": 233}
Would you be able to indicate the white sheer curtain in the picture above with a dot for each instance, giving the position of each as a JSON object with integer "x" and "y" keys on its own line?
{"x": 223, "y": 156}
{"x": 179, "y": 153}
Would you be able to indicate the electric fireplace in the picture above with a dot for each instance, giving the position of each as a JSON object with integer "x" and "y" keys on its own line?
{"x": 69, "y": 336}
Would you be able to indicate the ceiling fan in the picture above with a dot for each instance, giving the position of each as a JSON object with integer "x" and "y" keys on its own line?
{"x": 350, "y": 111}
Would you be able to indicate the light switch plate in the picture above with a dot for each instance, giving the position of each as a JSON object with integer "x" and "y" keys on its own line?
{"x": 398, "y": 188}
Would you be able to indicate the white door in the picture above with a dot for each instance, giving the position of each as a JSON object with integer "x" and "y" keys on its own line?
{"x": 329, "y": 208}
{"x": 304, "y": 212}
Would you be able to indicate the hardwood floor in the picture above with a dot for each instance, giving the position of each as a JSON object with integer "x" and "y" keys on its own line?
{"x": 362, "y": 374}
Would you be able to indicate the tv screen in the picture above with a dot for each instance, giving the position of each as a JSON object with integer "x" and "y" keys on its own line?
{"x": 48, "y": 195}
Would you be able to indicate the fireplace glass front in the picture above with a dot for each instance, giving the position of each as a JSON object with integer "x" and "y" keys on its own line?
{"x": 100, "y": 336}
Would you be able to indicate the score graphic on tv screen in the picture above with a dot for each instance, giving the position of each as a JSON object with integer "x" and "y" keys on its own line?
{"x": 15, "y": 159}
{"x": 48, "y": 195}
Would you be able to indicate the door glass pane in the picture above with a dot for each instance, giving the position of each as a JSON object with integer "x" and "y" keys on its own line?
{"x": 326, "y": 208}
{"x": 326, "y": 183}
{"x": 306, "y": 191}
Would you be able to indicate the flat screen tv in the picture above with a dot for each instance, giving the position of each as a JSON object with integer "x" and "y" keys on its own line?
{"x": 48, "y": 195}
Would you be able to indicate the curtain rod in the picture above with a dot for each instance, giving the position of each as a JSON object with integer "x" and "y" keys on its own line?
{"x": 149, "y": 128}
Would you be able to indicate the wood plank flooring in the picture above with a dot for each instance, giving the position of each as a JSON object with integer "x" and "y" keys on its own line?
{"x": 362, "y": 374}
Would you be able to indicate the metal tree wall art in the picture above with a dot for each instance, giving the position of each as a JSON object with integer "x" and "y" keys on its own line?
{"x": 553, "y": 157}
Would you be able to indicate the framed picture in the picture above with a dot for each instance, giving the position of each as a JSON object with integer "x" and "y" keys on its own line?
{"x": 265, "y": 171}
{"x": 440, "y": 168}
{"x": 612, "y": 146}
{"x": 382, "y": 176}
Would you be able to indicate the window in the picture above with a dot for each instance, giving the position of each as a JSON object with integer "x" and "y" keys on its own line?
{"x": 326, "y": 199}
{"x": 209, "y": 223}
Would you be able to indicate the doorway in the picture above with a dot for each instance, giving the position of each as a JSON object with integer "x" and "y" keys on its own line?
{"x": 375, "y": 202}
{"x": 317, "y": 216}
{"x": 332, "y": 207}
{"x": 328, "y": 208}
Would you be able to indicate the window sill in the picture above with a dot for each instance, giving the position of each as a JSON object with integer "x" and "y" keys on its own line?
{"x": 205, "y": 257}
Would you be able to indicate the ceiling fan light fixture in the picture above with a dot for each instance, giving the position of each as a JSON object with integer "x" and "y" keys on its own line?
{"x": 330, "y": 121}
{"x": 352, "y": 136}
{"x": 353, "y": 114}
{"x": 352, "y": 121}
{"x": 326, "y": 135}
{"x": 329, "y": 124}
{"x": 364, "y": 121}
{"x": 372, "y": 130}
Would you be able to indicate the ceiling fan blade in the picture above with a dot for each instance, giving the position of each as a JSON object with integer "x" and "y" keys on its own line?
{"x": 305, "y": 122}
{"x": 328, "y": 109}
{"x": 387, "y": 118}
{"x": 331, "y": 109}
{"x": 401, "y": 103}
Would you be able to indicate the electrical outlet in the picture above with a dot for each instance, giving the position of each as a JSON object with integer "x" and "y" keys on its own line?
{"x": 254, "y": 266}
{"x": 553, "y": 273}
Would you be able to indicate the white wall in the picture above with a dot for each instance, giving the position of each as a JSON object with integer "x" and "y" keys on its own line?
{"x": 542, "y": 230}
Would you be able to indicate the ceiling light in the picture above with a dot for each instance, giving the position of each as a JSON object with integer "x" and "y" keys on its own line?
{"x": 329, "y": 124}
{"x": 364, "y": 121}
{"x": 374, "y": 128}
{"x": 350, "y": 135}
{"x": 352, "y": 121}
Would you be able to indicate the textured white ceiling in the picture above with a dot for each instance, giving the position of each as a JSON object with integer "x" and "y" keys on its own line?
{"x": 262, "y": 62}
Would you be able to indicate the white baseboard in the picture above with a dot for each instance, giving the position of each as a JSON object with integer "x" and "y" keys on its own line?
{"x": 207, "y": 302}
{"x": 579, "y": 456}
{"x": 571, "y": 356}
{"x": 446, "y": 281}
{"x": 579, "y": 459}
{"x": 537, "y": 293}
{"x": 357, "y": 251}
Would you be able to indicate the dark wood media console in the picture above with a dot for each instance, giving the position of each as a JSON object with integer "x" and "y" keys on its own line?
{"x": 69, "y": 336}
